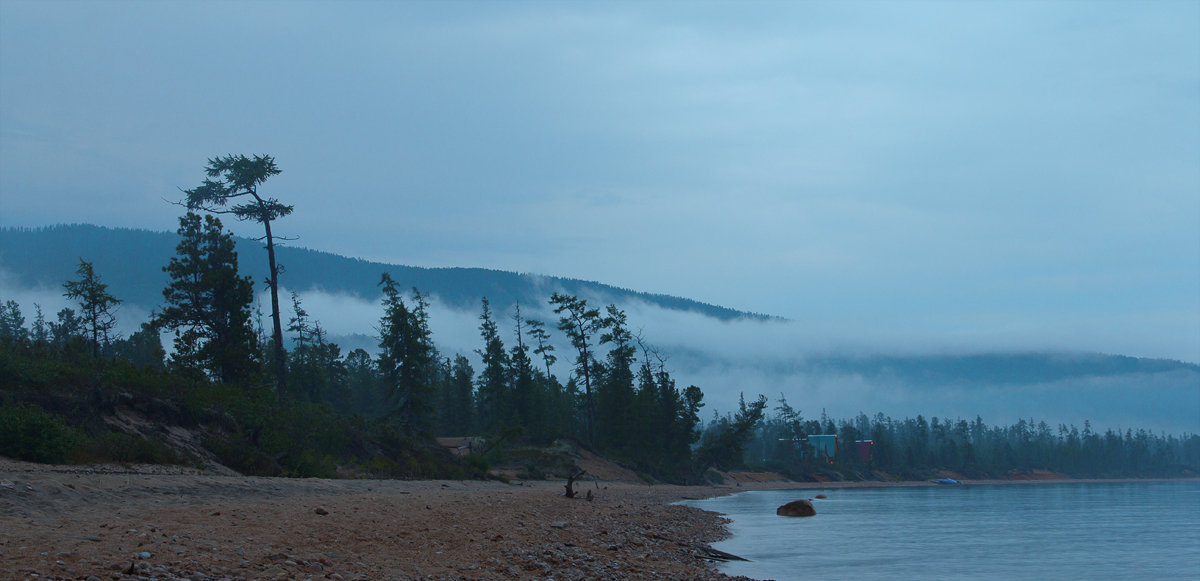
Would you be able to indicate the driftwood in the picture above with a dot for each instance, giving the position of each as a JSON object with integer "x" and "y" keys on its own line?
{"x": 715, "y": 555}
{"x": 708, "y": 552}
{"x": 570, "y": 493}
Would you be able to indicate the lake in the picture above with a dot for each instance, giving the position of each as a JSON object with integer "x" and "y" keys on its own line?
{"x": 1085, "y": 530}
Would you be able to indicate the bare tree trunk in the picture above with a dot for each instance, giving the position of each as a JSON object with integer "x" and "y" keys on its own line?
{"x": 277, "y": 332}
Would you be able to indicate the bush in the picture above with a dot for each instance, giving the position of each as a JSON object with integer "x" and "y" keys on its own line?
{"x": 235, "y": 451}
{"x": 28, "y": 432}
{"x": 127, "y": 449}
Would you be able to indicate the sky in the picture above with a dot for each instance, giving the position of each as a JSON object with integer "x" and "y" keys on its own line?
{"x": 893, "y": 175}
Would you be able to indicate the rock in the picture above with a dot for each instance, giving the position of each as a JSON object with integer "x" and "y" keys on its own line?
{"x": 559, "y": 524}
{"x": 143, "y": 555}
{"x": 321, "y": 511}
{"x": 822, "y": 496}
{"x": 797, "y": 508}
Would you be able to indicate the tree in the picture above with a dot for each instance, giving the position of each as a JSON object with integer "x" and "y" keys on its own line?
{"x": 407, "y": 359}
{"x": 236, "y": 179}
{"x": 68, "y": 328}
{"x": 96, "y": 304}
{"x": 12, "y": 323}
{"x": 456, "y": 401}
{"x": 537, "y": 330}
{"x": 493, "y": 390}
{"x": 318, "y": 373}
{"x": 143, "y": 348}
{"x": 208, "y": 304}
{"x": 618, "y": 416}
{"x": 526, "y": 406}
{"x": 581, "y": 324}
{"x": 41, "y": 331}
{"x": 723, "y": 446}
{"x": 362, "y": 383}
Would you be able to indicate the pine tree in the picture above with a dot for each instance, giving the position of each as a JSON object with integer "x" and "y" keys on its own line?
{"x": 526, "y": 405}
{"x": 363, "y": 383}
{"x": 456, "y": 401}
{"x": 406, "y": 361}
{"x": 40, "y": 333}
{"x": 143, "y": 348}
{"x": 238, "y": 178}
{"x": 616, "y": 412}
{"x": 581, "y": 325}
{"x": 66, "y": 330}
{"x": 208, "y": 304}
{"x": 95, "y": 303}
{"x": 12, "y": 324}
{"x": 494, "y": 400}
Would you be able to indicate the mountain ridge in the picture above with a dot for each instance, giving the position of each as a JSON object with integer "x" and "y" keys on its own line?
{"x": 47, "y": 256}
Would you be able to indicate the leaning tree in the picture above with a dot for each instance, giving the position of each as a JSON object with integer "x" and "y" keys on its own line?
{"x": 232, "y": 188}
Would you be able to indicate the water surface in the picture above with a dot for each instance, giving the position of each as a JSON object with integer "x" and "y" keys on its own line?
{"x": 1127, "y": 530}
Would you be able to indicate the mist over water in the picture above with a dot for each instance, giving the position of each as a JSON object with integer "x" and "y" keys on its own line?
{"x": 1113, "y": 531}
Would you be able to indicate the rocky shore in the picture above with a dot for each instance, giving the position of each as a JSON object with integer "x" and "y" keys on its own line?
{"x": 115, "y": 523}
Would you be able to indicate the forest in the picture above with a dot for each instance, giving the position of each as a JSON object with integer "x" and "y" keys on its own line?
{"x": 269, "y": 396}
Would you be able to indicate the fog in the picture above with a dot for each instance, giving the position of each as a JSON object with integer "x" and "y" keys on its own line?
{"x": 774, "y": 357}
{"x": 778, "y": 357}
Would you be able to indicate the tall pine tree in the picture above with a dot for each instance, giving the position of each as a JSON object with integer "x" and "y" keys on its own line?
{"x": 407, "y": 361}
{"x": 208, "y": 304}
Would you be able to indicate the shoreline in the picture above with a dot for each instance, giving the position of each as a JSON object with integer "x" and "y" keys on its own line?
{"x": 74, "y": 522}
{"x": 84, "y": 522}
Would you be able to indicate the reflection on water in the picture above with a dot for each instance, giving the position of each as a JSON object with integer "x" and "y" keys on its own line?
{"x": 1143, "y": 530}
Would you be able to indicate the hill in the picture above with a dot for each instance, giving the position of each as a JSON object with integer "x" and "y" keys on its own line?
{"x": 130, "y": 261}
{"x": 724, "y": 351}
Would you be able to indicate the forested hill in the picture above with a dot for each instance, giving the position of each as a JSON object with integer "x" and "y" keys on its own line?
{"x": 130, "y": 262}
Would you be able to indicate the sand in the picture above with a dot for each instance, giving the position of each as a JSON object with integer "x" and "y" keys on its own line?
{"x": 62, "y": 522}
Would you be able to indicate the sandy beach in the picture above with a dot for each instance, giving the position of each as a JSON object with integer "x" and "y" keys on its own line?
{"x": 64, "y": 522}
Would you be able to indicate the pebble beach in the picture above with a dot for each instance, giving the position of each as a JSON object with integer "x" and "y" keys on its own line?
{"x": 102, "y": 523}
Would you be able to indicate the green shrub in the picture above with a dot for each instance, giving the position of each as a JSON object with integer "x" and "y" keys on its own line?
{"x": 478, "y": 463}
{"x": 28, "y": 432}
{"x": 127, "y": 449}
{"x": 237, "y": 452}
{"x": 310, "y": 466}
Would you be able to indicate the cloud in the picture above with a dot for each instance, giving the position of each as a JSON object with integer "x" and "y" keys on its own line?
{"x": 904, "y": 177}
{"x": 774, "y": 358}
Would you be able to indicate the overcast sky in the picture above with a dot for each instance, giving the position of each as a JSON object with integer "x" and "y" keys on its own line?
{"x": 1012, "y": 174}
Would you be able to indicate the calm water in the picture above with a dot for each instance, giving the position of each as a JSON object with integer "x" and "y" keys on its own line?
{"x": 1144, "y": 530}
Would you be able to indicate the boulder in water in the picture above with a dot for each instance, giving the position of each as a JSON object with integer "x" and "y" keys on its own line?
{"x": 797, "y": 508}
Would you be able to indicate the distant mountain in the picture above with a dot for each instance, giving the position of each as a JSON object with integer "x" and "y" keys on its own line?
{"x": 130, "y": 261}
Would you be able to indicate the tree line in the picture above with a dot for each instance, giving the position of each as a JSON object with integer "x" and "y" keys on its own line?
{"x": 282, "y": 381}
{"x": 916, "y": 448}
{"x": 620, "y": 399}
